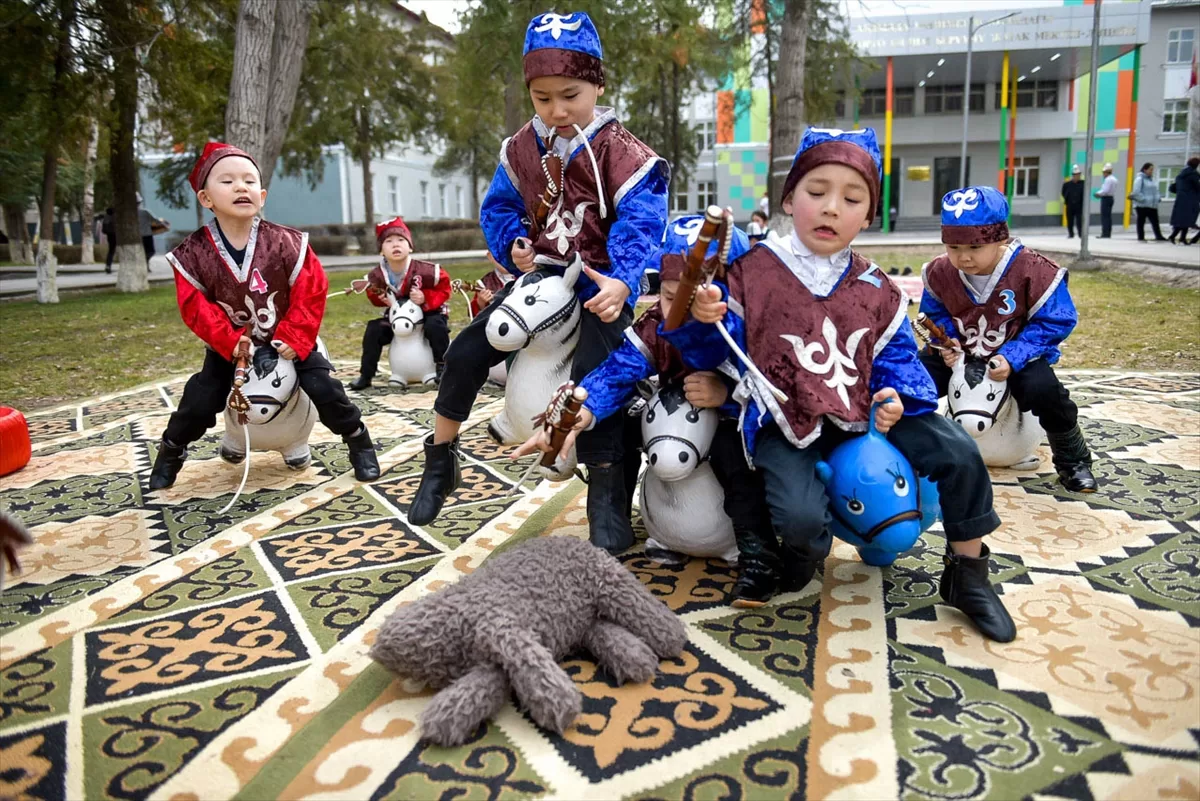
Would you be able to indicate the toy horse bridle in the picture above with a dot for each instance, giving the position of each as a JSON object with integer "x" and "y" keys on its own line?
{"x": 560, "y": 315}
{"x": 993, "y": 416}
{"x": 675, "y": 438}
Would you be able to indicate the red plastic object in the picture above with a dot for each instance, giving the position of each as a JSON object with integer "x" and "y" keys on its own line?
{"x": 15, "y": 447}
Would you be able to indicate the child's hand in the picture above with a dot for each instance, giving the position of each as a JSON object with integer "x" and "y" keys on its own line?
{"x": 705, "y": 390}
{"x": 999, "y": 368}
{"x": 243, "y": 346}
{"x": 951, "y": 355}
{"x": 484, "y": 296}
{"x": 286, "y": 351}
{"x": 887, "y": 414}
{"x": 417, "y": 297}
{"x": 522, "y": 254}
{"x": 708, "y": 306}
{"x": 609, "y": 301}
{"x": 540, "y": 441}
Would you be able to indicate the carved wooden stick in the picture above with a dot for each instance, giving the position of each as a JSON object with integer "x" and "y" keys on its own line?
{"x": 693, "y": 273}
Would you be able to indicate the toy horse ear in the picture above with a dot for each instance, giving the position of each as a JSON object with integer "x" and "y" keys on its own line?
{"x": 571, "y": 276}
{"x": 824, "y": 473}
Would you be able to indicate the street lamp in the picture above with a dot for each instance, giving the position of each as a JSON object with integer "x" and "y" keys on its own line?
{"x": 971, "y": 29}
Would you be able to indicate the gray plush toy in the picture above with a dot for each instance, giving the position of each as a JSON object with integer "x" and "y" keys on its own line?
{"x": 505, "y": 626}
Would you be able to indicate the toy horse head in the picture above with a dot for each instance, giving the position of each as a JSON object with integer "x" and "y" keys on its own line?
{"x": 876, "y": 502}
{"x": 540, "y": 302}
{"x": 676, "y": 434}
{"x": 405, "y": 318}
{"x": 270, "y": 385}
{"x": 975, "y": 401}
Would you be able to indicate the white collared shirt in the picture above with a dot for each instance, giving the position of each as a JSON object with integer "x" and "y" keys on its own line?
{"x": 819, "y": 273}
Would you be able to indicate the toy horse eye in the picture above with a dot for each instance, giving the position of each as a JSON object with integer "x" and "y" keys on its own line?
{"x": 855, "y": 506}
{"x": 957, "y": 393}
{"x": 277, "y": 381}
{"x": 650, "y": 416}
{"x": 693, "y": 416}
{"x": 991, "y": 396}
{"x": 530, "y": 300}
{"x": 901, "y": 486}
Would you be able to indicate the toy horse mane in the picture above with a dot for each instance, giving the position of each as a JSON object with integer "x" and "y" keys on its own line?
{"x": 671, "y": 396}
{"x": 974, "y": 371}
{"x": 264, "y": 360}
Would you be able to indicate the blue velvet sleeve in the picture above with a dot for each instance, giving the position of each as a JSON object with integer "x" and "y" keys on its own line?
{"x": 934, "y": 310}
{"x": 701, "y": 344}
{"x": 500, "y": 216}
{"x": 1044, "y": 332}
{"x": 898, "y": 366}
{"x": 614, "y": 382}
{"x": 636, "y": 236}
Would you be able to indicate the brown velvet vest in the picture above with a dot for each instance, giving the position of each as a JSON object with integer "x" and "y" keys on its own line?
{"x": 662, "y": 354}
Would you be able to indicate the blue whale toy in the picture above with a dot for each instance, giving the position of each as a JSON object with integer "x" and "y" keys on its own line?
{"x": 875, "y": 499}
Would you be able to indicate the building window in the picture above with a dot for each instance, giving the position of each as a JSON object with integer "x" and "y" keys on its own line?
{"x": 706, "y": 194}
{"x": 706, "y": 135}
{"x": 839, "y": 106}
{"x": 679, "y": 201}
{"x": 873, "y": 103}
{"x": 458, "y": 197}
{"x": 393, "y": 195}
{"x": 948, "y": 99}
{"x": 442, "y": 196}
{"x": 1181, "y": 43}
{"x": 1175, "y": 113}
{"x": 1033, "y": 94}
{"x": 1165, "y": 176}
{"x": 425, "y": 198}
{"x": 1025, "y": 178}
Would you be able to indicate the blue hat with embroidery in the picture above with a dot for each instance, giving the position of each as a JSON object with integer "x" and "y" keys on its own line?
{"x": 857, "y": 150}
{"x": 563, "y": 44}
{"x": 679, "y": 238}
{"x": 974, "y": 215}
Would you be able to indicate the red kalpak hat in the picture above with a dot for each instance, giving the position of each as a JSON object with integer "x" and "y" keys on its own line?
{"x": 395, "y": 224}
{"x": 214, "y": 152}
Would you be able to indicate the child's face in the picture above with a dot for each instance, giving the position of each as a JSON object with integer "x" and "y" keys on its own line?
{"x": 396, "y": 247}
{"x": 829, "y": 206}
{"x": 666, "y": 296}
{"x": 976, "y": 259}
{"x": 233, "y": 189}
{"x": 562, "y": 102}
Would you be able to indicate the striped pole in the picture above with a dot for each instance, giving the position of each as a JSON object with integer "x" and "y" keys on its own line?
{"x": 1133, "y": 101}
{"x": 1011, "y": 184}
{"x": 1066, "y": 177}
{"x": 1000, "y": 182}
{"x": 857, "y": 99}
{"x": 887, "y": 154}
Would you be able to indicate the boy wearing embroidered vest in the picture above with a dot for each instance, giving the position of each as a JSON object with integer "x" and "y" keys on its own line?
{"x": 603, "y": 194}
{"x": 1010, "y": 306}
{"x": 398, "y": 276}
{"x": 830, "y": 330}
{"x": 490, "y": 286}
{"x": 242, "y": 280}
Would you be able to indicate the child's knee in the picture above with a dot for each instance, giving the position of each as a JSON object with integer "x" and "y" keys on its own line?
{"x": 800, "y": 523}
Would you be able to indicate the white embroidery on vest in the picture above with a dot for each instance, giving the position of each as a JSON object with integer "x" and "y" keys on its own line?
{"x": 562, "y": 226}
{"x": 840, "y": 364}
{"x": 980, "y": 341}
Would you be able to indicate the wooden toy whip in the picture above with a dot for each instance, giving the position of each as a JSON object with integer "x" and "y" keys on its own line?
{"x": 561, "y": 415}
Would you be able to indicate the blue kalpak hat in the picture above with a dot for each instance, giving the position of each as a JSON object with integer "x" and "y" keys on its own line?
{"x": 855, "y": 149}
{"x": 679, "y": 238}
{"x": 976, "y": 215}
{"x": 563, "y": 44}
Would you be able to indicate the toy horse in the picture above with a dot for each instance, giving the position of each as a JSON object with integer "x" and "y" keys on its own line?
{"x": 540, "y": 318}
{"x": 681, "y": 500}
{"x": 876, "y": 502}
{"x": 409, "y": 356}
{"x": 986, "y": 409}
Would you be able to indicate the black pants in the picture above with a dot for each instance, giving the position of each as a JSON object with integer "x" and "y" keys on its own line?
{"x": 745, "y": 496}
{"x": 112, "y": 250}
{"x": 1106, "y": 208}
{"x": 471, "y": 356}
{"x": 1035, "y": 387}
{"x": 936, "y": 447}
{"x": 379, "y": 333}
{"x": 148, "y": 247}
{"x": 1142, "y": 216}
{"x": 1074, "y": 220}
{"x": 206, "y": 392}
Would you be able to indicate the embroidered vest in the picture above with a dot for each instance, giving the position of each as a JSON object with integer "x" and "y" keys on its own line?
{"x": 429, "y": 272}
{"x": 659, "y": 352}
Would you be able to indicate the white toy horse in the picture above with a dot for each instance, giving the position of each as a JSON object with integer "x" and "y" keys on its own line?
{"x": 409, "y": 356}
{"x": 540, "y": 317}
{"x": 986, "y": 409}
{"x": 681, "y": 500}
{"x": 281, "y": 416}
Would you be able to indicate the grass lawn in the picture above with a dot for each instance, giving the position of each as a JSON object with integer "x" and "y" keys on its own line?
{"x": 90, "y": 344}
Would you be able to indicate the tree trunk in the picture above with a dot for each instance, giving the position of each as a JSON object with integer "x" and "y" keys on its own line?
{"x": 287, "y": 59}
{"x": 87, "y": 233}
{"x": 787, "y": 117}
{"x": 47, "y": 265}
{"x": 131, "y": 272}
{"x": 515, "y": 94}
{"x": 19, "y": 248}
{"x": 250, "y": 85}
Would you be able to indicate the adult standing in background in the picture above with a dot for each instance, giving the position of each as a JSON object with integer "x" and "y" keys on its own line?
{"x": 1107, "y": 193}
{"x": 148, "y": 226}
{"x": 108, "y": 229}
{"x": 1072, "y": 195}
{"x": 1146, "y": 197}
{"x": 1187, "y": 202}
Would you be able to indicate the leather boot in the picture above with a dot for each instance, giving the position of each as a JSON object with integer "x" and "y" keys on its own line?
{"x": 796, "y": 568}
{"x": 441, "y": 477}
{"x": 1072, "y": 460}
{"x": 967, "y": 586}
{"x": 167, "y": 464}
{"x": 608, "y": 522}
{"x": 362, "y": 382}
{"x": 758, "y": 569}
{"x": 362, "y": 455}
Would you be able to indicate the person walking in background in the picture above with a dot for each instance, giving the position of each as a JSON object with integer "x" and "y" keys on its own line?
{"x": 1186, "y": 212}
{"x": 1072, "y": 195}
{"x": 1146, "y": 197}
{"x": 148, "y": 227}
{"x": 107, "y": 228}
{"x": 1106, "y": 193}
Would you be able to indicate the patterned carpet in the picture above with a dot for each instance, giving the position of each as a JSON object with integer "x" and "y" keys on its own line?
{"x": 157, "y": 648}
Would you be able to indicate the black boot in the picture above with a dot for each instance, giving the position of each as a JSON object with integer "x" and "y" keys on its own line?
{"x": 796, "y": 568}
{"x": 362, "y": 382}
{"x": 167, "y": 464}
{"x": 758, "y": 569}
{"x": 967, "y": 586}
{"x": 1072, "y": 460}
{"x": 441, "y": 477}
{"x": 362, "y": 455}
{"x": 608, "y": 522}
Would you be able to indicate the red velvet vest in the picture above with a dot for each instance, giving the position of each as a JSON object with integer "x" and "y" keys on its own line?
{"x": 430, "y": 275}
{"x": 495, "y": 281}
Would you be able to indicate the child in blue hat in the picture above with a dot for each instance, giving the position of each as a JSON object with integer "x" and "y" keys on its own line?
{"x": 1008, "y": 305}
{"x": 829, "y": 329}
{"x": 602, "y": 194}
